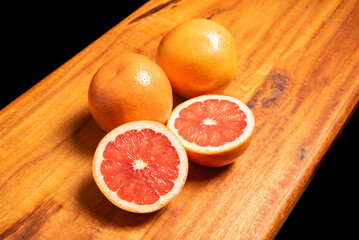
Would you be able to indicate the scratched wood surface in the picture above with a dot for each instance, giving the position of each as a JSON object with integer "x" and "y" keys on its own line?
{"x": 298, "y": 71}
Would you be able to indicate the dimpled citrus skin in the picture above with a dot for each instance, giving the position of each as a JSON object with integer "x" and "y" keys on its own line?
{"x": 129, "y": 87}
{"x": 198, "y": 56}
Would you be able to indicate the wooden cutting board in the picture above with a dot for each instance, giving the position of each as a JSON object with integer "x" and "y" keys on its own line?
{"x": 298, "y": 71}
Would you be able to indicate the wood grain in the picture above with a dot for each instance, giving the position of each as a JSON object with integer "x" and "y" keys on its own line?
{"x": 299, "y": 72}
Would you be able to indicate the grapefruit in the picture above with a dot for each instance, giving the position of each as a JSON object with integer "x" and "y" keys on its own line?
{"x": 140, "y": 166}
{"x": 128, "y": 88}
{"x": 198, "y": 56}
{"x": 214, "y": 129}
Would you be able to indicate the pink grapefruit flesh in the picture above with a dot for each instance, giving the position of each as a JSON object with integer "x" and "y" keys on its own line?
{"x": 214, "y": 129}
{"x": 212, "y": 122}
{"x": 140, "y": 165}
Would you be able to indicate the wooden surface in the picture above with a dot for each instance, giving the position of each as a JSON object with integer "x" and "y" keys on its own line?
{"x": 298, "y": 71}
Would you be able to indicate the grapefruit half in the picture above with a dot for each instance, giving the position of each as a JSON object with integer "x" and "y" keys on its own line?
{"x": 214, "y": 129}
{"x": 140, "y": 166}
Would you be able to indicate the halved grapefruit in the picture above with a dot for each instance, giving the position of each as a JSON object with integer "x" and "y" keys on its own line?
{"x": 214, "y": 129}
{"x": 140, "y": 166}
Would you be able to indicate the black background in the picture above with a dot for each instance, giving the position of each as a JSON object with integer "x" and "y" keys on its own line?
{"x": 39, "y": 36}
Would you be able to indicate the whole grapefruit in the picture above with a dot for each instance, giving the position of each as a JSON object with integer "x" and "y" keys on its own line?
{"x": 129, "y": 87}
{"x": 198, "y": 56}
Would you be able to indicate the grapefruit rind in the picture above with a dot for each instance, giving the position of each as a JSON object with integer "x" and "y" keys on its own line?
{"x": 112, "y": 195}
{"x": 221, "y": 155}
{"x": 198, "y": 57}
